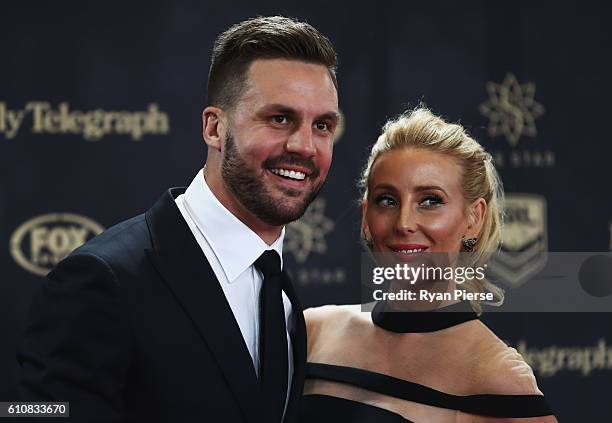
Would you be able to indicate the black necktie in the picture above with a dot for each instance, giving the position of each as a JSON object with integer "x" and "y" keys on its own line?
{"x": 273, "y": 367}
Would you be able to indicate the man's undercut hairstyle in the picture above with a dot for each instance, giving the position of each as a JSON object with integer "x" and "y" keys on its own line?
{"x": 274, "y": 37}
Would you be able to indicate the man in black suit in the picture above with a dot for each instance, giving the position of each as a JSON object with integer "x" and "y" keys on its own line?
{"x": 178, "y": 315}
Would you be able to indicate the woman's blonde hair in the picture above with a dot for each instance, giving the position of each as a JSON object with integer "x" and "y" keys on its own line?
{"x": 420, "y": 128}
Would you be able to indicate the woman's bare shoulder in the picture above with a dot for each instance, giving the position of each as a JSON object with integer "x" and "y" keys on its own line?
{"x": 330, "y": 325}
{"x": 500, "y": 369}
{"x": 329, "y": 313}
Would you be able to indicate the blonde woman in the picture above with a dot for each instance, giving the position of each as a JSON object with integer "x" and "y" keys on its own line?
{"x": 428, "y": 187}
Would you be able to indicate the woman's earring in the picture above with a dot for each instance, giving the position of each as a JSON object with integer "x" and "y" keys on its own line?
{"x": 368, "y": 242}
{"x": 468, "y": 244}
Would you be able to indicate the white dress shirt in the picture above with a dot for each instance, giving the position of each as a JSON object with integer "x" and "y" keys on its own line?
{"x": 231, "y": 248}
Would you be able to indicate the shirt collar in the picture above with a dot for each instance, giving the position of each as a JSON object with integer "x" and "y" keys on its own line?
{"x": 235, "y": 245}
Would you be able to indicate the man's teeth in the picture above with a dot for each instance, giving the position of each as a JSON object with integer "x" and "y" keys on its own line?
{"x": 289, "y": 174}
{"x": 416, "y": 250}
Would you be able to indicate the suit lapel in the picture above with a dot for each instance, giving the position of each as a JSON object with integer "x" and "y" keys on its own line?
{"x": 183, "y": 266}
{"x": 298, "y": 338}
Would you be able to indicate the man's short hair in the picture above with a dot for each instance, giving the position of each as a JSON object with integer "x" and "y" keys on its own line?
{"x": 272, "y": 37}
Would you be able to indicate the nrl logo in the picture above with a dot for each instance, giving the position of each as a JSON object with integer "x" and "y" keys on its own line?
{"x": 524, "y": 246}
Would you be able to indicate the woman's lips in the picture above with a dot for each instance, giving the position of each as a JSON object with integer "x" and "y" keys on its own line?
{"x": 408, "y": 252}
{"x": 408, "y": 248}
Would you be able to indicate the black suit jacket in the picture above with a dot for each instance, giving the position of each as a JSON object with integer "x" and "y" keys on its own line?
{"x": 134, "y": 327}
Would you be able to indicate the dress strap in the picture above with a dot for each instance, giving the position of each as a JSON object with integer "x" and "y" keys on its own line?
{"x": 328, "y": 409}
{"x": 422, "y": 321}
{"x": 484, "y": 404}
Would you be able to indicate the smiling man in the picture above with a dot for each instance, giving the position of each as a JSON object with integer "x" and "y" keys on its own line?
{"x": 185, "y": 313}
{"x": 269, "y": 154}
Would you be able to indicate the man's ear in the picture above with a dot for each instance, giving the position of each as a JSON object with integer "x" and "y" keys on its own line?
{"x": 476, "y": 214}
{"x": 213, "y": 127}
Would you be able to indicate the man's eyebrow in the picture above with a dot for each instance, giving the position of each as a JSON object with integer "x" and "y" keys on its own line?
{"x": 279, "y": 108}
{"x": 332, "y": 116}
{"x": 286, "y": 110}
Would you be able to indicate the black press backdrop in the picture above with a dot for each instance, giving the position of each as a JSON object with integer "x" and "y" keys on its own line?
{"x": 529, "y": 80}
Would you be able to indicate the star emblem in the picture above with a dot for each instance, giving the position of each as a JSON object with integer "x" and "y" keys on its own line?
{"x": 511, "y": 109}
{"x": 307, "y": 235}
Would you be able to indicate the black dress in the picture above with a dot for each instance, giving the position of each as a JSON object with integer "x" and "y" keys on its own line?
{"x": 317, "y": 408}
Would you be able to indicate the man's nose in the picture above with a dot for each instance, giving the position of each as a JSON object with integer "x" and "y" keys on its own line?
{"x": 301, "y": 141}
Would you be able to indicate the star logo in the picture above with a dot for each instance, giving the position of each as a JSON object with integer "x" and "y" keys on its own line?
{"x": 307, "y": 235}
{"x": 511, "y": 109}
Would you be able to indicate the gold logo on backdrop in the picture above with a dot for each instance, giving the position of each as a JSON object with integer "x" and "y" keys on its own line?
{"x": 307, "y": 235}
{"x": 583, "y": 359}
{"x": 524, "y": 240}
{"x": 43, "y": 241}
{"x": 511, "y": 109}
{"x": 92, "y": 125}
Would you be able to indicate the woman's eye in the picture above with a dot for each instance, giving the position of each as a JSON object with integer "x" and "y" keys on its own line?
{"x": 431, "y": 201}
{"x": 385, "y": 201}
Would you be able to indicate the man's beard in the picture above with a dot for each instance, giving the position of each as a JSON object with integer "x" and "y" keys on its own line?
{"x": 249, "y": 189}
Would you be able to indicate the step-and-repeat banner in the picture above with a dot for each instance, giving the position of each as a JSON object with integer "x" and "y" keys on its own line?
{"x": 100, "y": 113}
